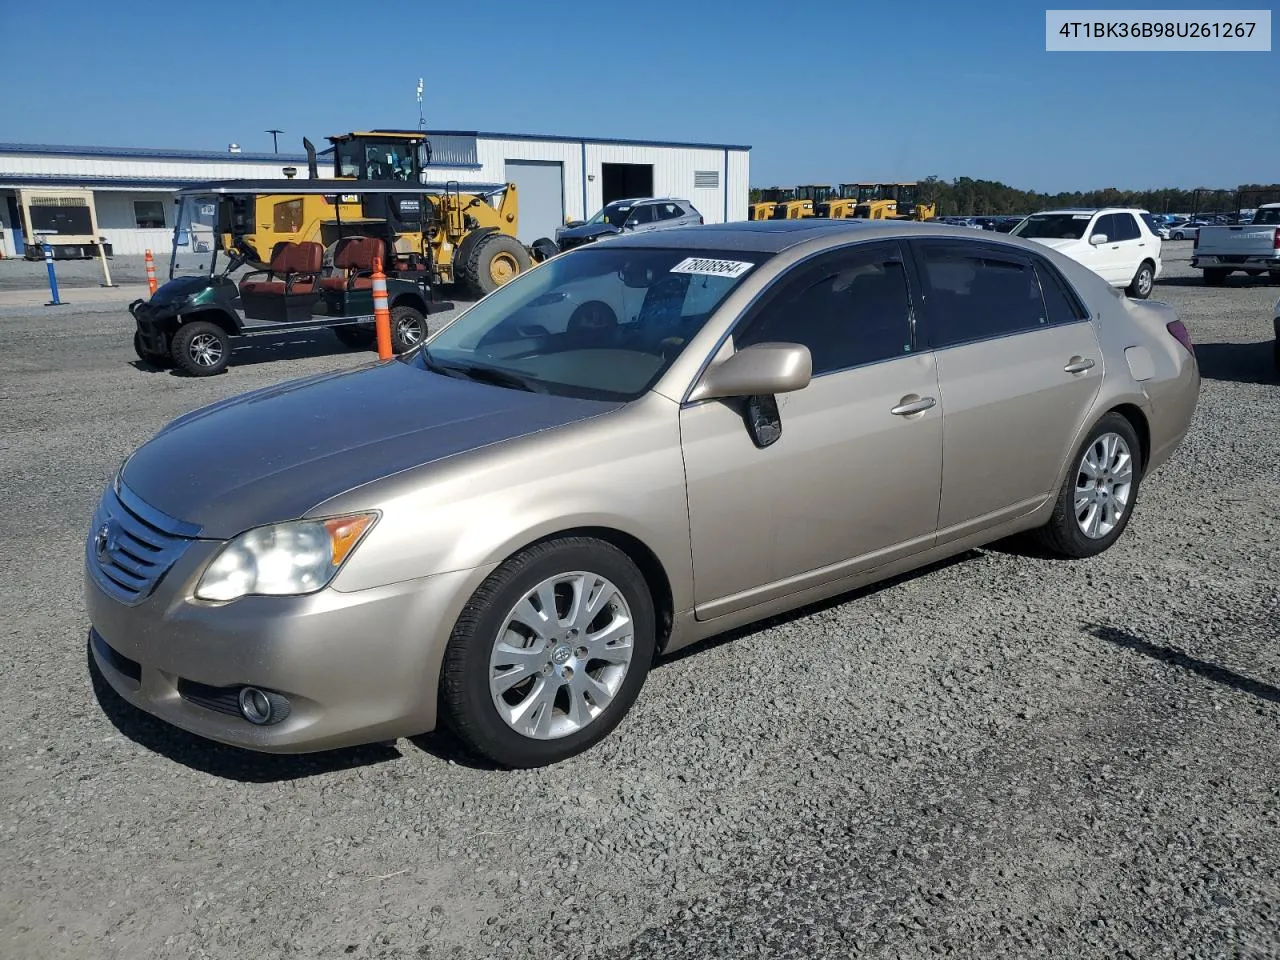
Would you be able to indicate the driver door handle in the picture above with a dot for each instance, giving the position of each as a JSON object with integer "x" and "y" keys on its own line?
{"x": 907, "y": 407}
{"x": 1078, "y": 365}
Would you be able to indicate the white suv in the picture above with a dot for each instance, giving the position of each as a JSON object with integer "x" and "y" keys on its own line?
{"x": 1117, "y": 243}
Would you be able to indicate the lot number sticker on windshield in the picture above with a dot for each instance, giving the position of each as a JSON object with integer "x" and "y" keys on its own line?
{"x": 712, "y": 268}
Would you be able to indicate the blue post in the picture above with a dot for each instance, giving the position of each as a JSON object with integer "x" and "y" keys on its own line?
{"x": 53, "y": 280}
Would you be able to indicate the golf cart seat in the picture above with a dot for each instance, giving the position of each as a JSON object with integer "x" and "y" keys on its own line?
{"x": 354, "y": 257}
{"x": 294, "y": 269}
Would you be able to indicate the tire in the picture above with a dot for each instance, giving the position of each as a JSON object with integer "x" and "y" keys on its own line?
{"x": 1215, "y": 277}
{"x": 495, "y": 260}
{"x": 201, "y": 348}
{"x": 408, "y": 328}
{"x": 1063, "y": 535}
{"x": 356, "y": 336}
{"x": 159, "y": 360}
{"x": 1275, "y": 354}
{"x": 467, "y": 701}
{"x": 1143, "y": 281}
{"x": 1177, "y": 235}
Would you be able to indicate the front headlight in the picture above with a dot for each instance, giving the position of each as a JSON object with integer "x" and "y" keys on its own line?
{"x": 284, "y": 559}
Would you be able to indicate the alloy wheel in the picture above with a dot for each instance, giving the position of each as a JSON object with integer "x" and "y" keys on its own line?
{"x": 1104, "y": 485}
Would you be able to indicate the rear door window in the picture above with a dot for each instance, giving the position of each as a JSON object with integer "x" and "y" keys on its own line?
{"x": 974, "y": 292}
{"x": 642, "y": 214}
{"x": 1126, "y": 227}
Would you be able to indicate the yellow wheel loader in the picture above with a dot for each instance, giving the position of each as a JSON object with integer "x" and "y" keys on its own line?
{"x": 456, "y": 234}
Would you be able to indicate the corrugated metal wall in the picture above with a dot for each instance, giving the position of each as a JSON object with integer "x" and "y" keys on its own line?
{"x": 61, "y": 166}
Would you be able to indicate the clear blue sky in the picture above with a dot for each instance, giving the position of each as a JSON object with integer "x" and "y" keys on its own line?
{"x": 822, "y": 91}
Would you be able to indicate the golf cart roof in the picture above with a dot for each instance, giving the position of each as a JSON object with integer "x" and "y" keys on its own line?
{"x": 308, "y": 187}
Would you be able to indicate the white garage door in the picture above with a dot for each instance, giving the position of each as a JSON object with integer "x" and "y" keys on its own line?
{"x": 540, "y": 186}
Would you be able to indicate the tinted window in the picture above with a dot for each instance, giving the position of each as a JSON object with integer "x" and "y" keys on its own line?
{"x": 669, "y": 211}
{"x": 976, "y": 294}
{"x": 1053, "y": 226}
{"x": 1126, "y": 227}
{"x": 1060, "y": 306}
{"x": 849, "y": 309}
{"x": 1106, "y": 225}
{"x": 1152, "y": 224}
{"x": 643, "y": 214}
{"x": 1267, "y": 217}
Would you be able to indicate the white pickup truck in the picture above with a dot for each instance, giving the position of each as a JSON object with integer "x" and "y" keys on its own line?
{"x": 1251, "y": 247}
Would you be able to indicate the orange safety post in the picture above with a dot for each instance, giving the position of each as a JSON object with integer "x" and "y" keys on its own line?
{"x": 381, "y": 314}
{"x": 151, "y": 273}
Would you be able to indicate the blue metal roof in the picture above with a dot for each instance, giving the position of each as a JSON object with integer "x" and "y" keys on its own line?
{"x": 150, "y": 153}
{"x": 120, "y": 183}
{"x": 574, "y": 139}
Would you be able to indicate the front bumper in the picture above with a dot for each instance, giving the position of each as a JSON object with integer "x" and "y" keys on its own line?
{"x": 355, "y": 667}
{"x": 151, "y": 322}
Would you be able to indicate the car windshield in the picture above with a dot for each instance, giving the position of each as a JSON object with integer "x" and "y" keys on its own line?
{"x": 1053, "y": 226}
{"x": 615, "y": 214}
{"x": 595, "y": 323}
{"x": 1267, "y": 218}
{"x": 195, "y": 238}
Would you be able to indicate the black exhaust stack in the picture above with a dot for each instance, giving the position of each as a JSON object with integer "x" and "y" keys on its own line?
{"x": 313, "y": 171}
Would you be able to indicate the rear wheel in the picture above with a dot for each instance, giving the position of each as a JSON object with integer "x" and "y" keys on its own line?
{"x": 408, "y": 328}
{"x": 201, "y": 348}
{"x": 1143, "y": 281}
{"x": 496, "y": 260}
{"x": 1097, "y": 496}
{"x": 1215, "y": 277}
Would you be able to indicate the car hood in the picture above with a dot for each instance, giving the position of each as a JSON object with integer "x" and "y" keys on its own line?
{"x": 587, "y": 231}
{"x": 276, "y": 453}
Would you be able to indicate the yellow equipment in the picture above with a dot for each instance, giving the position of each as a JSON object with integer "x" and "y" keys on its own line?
{"x": 842, "y": 204}
{"x": 893, "y": 201}
{"x": 767, "y": 202}
{"x": 451, "y": 235}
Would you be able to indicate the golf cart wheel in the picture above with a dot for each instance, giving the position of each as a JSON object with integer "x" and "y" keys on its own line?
{"x": 159, "y": 360}
{"x": 201, "y": 348}
{"x": 496, "y": 260}
{"x": 356, "y": 336}
{"x": 408, "y": 328}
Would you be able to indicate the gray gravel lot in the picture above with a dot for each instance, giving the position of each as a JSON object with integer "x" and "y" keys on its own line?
{"x": 999, "y": 757}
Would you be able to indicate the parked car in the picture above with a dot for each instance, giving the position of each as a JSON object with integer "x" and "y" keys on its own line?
{"x": 1114, "y": 242}
{"x": 502, "y": 528}
{"x": 1006, "y": 224}
{"x": 1220, "y": 250}
{"x": 1185, "y": 229}
{"x": 629, "y": 216}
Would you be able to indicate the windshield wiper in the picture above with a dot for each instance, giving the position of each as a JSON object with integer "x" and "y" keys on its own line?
{"x": 483, "y": 374}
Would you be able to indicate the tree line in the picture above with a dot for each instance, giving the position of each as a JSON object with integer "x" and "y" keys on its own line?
{"x": 965, "y": 197}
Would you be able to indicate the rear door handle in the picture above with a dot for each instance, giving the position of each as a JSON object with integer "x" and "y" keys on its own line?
{"x": 907, "y": 406}
{"x": 1078, "y": 365}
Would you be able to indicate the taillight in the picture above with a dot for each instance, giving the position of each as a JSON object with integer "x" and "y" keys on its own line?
{"x": 1180, "y": 334}
{"x": 1277, "y": 233}
{"x": 1276, "y": 245}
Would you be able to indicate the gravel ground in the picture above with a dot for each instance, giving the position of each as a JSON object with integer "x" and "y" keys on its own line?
{"x": 999, "y": 756}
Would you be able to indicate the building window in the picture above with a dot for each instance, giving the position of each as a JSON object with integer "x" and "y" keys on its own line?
{"x": 709, "y": 179}
{"x": 149, "y": 214}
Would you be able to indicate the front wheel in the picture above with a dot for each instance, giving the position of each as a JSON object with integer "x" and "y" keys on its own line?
{"x": 496, "y": 260}
{"x": 201, "y": 348}
{"x": 1097, "y": 497}
{"x": 1143, "y": 281}
{"x": 550, "y": 653}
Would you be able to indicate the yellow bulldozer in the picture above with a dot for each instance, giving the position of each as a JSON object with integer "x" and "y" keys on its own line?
{"x": 452, "y": 233}
{"x": 840, "y": 205}
{"x": 893, "y": 201}
{"x": 767, "y": 201}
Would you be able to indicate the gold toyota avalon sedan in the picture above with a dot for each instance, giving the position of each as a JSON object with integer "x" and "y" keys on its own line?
{"x": 631, "y": 447}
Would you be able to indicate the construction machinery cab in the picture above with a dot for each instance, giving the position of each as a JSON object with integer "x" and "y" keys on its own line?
{"x": 380, "y": 156}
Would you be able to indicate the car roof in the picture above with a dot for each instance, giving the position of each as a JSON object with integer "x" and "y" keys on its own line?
{"x": 774, "y": 236}
{"x": 1091, "y": 210}
{"x": 637, "y": 201}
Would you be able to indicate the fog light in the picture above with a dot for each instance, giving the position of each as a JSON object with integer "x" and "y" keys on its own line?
{"x": 256, "y": 706}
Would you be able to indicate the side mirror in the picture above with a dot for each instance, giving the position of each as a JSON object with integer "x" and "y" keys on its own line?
{"x": 762, "y": 369}
{"x": 1098, "y": 238}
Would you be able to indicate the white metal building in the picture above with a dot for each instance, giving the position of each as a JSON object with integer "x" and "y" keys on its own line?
{"x": 557, "y": 178}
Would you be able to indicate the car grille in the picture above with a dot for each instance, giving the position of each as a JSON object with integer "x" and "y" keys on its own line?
{"x": 132, "y": 545}
{"x": 219, "y": 699}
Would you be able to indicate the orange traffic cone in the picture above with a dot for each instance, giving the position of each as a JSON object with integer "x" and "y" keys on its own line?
{"x": 381, "y": 313}
{"x": 151, "y": 273}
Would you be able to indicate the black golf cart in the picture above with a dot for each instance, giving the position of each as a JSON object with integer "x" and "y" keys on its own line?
{"x": 214, "y": 294}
